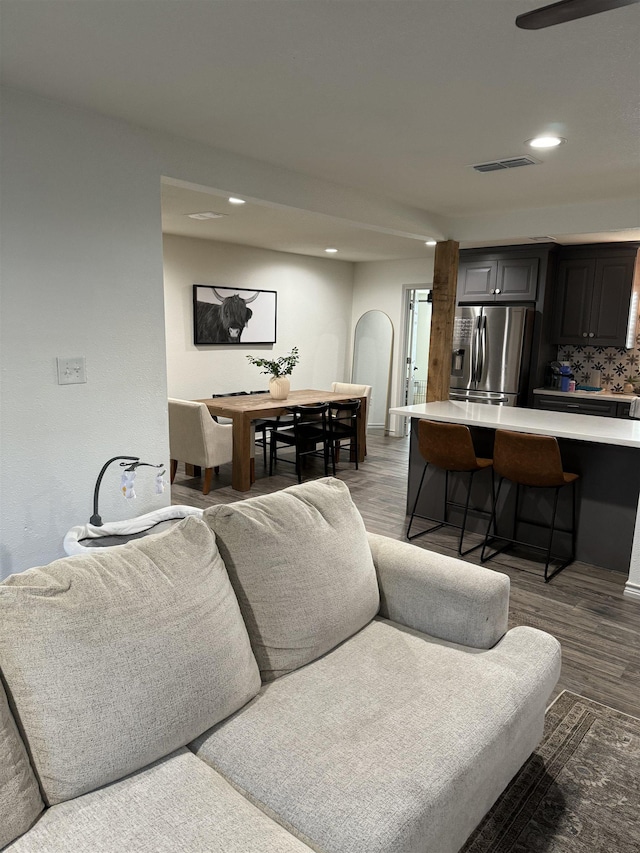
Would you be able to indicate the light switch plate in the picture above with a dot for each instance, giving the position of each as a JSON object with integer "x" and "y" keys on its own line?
{"x": 72, "y": 370}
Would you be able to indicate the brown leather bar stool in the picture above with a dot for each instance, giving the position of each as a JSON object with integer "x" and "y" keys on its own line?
{"x": 533, "y": 461}
{"x": 450, "y": 448}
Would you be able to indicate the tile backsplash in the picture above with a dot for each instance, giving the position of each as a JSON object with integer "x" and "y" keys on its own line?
{"x": 616, "y": 364}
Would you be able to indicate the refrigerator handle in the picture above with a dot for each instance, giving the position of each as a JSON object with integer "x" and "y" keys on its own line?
{"x": 475, "y": 342}
{"x": 482, "y": 346}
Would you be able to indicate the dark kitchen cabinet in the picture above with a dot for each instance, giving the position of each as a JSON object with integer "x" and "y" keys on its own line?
{"x": 495, "y": 279}
{"x": 623, "y": 410}
{"x": 593, "y": 297}
{"x": 577, "y": 405}
{"x": 581, "y": 405}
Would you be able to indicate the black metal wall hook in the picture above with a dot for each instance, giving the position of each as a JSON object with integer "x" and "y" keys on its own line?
{"x": 131, "y": 463}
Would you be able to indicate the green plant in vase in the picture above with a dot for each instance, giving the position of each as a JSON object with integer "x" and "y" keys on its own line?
{"x": 635, "y": 381}
{"x": 279, "y": 369}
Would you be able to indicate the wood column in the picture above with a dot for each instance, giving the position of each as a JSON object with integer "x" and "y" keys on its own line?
{"x": 445, "y": 282}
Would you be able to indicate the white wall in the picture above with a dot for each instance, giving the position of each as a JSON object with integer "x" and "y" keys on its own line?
{"x": 81, "y": 275}
{"x": 314, "y": 314}
{"x": 381, "y": 285}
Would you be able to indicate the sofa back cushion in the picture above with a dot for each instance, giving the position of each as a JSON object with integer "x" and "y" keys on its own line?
{"x": 20, "y": 800}
{"x": 301, "y": 566}
{"x": 116, "y": 659}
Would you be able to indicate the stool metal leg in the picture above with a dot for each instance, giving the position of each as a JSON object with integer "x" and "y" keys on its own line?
{"x": 493, "y": 521}
{"x": 489, "y": 539}
{"x": 551, "y": 531}
{"x": 446, "y": 502}
{"x": 572, "y": 556}
{"x": 464, "y": 518}
{"x": 413, "y": 512}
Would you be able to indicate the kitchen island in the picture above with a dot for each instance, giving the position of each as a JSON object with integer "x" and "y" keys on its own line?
{"x": 605, "y": 452}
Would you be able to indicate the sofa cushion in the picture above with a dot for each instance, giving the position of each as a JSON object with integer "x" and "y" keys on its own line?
{"x": 117, "y": 658}
{"x": 176, "y": 804}
{"x": 301, "y": 566}
{"x": 392, "y": 743}
{"x": 20, "y": 800}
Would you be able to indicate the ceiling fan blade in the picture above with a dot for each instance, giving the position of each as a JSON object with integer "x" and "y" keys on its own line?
{"x": 566, "y": 10}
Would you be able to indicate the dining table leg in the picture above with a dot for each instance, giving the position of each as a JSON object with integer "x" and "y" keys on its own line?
{"x": 241, "y": 463}
{"x": 361, "y": 424}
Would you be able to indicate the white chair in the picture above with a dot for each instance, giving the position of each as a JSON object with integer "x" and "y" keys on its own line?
{"x": 356, "y": 391}
{"x": 196, "y": 439}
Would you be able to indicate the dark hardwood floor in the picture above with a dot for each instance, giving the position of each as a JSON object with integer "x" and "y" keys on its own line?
{"x": 583, "y": 606}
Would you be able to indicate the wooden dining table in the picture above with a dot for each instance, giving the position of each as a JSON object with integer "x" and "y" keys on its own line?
{"x": 245, "y": 408}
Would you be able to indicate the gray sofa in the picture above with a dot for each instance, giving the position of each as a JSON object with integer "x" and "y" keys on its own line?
{"x": 290, "y": 683}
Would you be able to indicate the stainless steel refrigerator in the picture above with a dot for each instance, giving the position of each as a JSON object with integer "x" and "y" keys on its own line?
{"x": 491, "y": 352}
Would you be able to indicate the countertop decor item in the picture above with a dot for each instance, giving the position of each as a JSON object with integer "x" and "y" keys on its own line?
{"x": 279, "y": 369}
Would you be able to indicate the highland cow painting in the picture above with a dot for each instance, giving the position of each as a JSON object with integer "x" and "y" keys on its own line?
{"x": 233, "y": 315}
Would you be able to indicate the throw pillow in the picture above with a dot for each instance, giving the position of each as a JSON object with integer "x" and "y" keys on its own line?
{"x": 116, "y": 659}
{"x": 302, "y": 570}
{"x": 20, "y": 800}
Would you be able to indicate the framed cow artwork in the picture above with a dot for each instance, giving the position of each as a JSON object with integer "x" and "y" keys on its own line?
{"x": 233, "y": 315}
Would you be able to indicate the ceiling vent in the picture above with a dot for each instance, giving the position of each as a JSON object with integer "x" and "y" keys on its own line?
{"x": 207, "y": 214}
{"x": 506, "y": 163}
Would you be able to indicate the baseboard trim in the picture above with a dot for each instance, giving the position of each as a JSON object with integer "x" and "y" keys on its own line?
{"x": 632, "y": 590}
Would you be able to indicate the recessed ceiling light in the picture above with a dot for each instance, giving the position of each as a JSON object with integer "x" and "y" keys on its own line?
{"x": 430, "y": 242}
{"x": 234, "y": 200}
{"x": 208, "y": 214}
{"x": 331, "y": 251}
{"x": 545, "y": 141}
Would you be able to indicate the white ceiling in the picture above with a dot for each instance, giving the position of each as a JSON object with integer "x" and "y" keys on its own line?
{"x": 393, "y": 97}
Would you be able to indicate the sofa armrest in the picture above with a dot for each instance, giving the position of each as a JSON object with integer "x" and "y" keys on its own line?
{"x": 440, "y": 596}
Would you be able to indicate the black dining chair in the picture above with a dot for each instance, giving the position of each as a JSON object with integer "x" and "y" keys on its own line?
{"x": 309, "y": 428}
{"x": 222, "y": 420}
{"x": 343, "y": 426}
{"x": 263, "y": 426}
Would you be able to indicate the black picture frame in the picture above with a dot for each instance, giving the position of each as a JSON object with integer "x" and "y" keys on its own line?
{"x": 224, "y": 316}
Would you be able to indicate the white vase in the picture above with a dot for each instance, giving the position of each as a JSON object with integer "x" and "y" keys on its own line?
{"x": 279, "y": 387}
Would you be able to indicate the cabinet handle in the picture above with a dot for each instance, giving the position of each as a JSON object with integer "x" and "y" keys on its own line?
{"x": 497, "y": 291}
{"x": 584, "y": 334}
{"x": 573, "y": 405}
{"x": 592, "y": 334}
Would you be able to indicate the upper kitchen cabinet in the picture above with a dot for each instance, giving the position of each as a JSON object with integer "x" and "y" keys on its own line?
{"x": 594, "y": 297}
{"x": 493, "y": 278}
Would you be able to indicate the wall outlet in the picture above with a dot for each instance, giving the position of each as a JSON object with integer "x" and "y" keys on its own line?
{"x": 71, "y": 370}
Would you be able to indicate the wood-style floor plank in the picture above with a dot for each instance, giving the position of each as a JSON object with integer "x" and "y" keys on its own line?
{"x": 583, "y": 606}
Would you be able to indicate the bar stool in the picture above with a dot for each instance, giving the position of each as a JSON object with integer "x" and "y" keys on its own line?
{"x": 532, "y": 461}
{"x": 450, "y": 448}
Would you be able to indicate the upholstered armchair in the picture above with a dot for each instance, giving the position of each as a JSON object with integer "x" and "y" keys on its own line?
{"x": 196, "y": 439}
{"x": 354, "y": 391}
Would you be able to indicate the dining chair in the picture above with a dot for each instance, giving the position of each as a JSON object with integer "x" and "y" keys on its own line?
{"x": 343, "y": 426}
{"x": 196, "y": 439}
{"x": 354, "y": 390}
{"x": 308, "y": 429}
{"x": 263, "y": 426}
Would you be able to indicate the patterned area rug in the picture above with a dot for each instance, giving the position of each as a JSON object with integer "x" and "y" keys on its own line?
{"x": 578, "y": 793}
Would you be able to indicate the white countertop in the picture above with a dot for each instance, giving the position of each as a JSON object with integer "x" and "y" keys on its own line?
{"x": 597, "y": 395}
{"x": 538, "y": 421}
